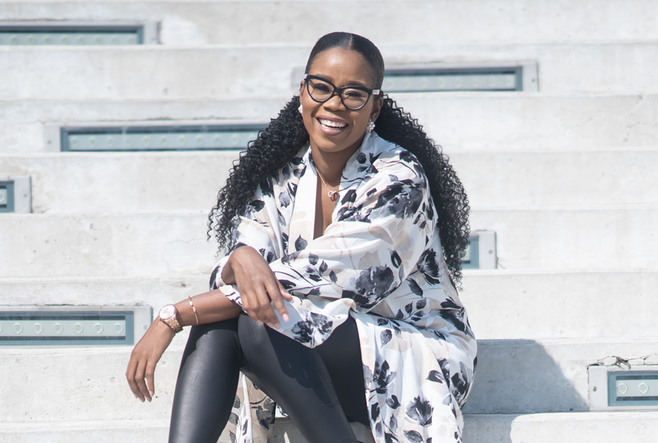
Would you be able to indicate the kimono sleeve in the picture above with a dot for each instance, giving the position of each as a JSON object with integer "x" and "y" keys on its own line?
{"x": 254, "y": 228}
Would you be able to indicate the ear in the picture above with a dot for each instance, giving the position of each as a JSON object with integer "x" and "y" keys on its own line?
{"x": 376, "y": 107}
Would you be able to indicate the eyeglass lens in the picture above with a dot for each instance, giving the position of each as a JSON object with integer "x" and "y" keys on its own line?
{"x": 352, "y": 98}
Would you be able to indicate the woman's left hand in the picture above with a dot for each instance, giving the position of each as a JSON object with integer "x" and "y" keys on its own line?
{"x": 145, "y": 355}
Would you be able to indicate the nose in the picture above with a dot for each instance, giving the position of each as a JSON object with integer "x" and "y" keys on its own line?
{"x": 334, "y": 102}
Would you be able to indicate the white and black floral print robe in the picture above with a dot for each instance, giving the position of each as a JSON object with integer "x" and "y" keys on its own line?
{"x": 379, "y": 261}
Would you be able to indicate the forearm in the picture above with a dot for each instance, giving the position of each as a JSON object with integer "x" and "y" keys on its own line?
{"x": 210, "y": 307}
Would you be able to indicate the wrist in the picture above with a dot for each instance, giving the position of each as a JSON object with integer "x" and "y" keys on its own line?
{"x": 169, "y": 316}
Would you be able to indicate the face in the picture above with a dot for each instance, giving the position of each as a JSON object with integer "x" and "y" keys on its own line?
{"x": 332, "y": 127}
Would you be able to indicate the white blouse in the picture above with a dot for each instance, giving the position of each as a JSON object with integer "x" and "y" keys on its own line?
{"x": 379, "y": 261}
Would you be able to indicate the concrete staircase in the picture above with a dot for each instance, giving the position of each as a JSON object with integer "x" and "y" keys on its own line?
{"x": 564, "y": 175}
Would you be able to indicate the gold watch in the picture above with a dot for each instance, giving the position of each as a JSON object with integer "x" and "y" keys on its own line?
{"x": 168, "y": 316}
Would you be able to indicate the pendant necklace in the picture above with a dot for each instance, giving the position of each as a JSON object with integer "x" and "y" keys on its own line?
{"x": 333, "y": 195}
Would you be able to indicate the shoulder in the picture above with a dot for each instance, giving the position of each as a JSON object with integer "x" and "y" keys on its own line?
{"x": 392, "y": 159}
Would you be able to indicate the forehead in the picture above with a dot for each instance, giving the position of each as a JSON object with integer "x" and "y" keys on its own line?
{"x": 343, "y": 65}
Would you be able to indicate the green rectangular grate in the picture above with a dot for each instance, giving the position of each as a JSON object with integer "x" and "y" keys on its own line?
{"x": 159, "y": 138}
{"x": 69, "y": 325}
{"x": 76, "y": 34}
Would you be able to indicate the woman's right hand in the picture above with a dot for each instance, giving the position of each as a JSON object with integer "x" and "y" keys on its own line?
{"x": 258, "y": 286}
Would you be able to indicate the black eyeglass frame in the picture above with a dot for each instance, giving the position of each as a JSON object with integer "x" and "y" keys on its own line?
{"x": 339, "y": 91}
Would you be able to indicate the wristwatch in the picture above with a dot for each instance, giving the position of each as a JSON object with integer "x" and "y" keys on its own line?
{"x": 168, "y": 316}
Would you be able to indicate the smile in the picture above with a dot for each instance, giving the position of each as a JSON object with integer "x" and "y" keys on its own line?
{"x": 332, "y": 124}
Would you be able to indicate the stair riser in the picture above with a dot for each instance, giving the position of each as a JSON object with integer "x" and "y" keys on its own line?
{"x": 232, "y": 22}
{"x": 501, "y": 304}
{"x": 513, "y": 376}
{"x": 136, "y": 182}
{"x": 233, "y": 72}
{"x": 169, "y": 244}
{"x": 488, "y": 122}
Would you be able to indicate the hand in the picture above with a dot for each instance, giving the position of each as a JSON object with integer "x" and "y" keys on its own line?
{"x": 258, "y": 286}
{"x": 145, "y": 356}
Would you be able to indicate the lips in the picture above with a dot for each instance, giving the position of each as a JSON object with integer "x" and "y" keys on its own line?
{"x": 332, "y": 124}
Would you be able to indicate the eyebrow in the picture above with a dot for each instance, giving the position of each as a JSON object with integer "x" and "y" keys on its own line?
{"x": 354, "y": 83}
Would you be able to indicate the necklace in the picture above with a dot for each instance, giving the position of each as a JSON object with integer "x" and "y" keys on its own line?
{"x": 333, "y": 195}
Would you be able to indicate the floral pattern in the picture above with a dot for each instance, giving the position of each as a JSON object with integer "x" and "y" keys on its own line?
{"x": 380, "y": 262}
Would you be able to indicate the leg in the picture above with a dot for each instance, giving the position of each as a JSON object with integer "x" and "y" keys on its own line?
{"x": 341, "y": 354}
{"x": 296, "y": 378}
{"x": 206, "y": 384}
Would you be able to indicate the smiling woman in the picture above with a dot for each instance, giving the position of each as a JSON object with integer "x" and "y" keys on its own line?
{"x": 343, "y": 225}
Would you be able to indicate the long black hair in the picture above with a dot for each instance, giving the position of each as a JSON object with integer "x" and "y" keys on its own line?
{"x": 286, "y": 135}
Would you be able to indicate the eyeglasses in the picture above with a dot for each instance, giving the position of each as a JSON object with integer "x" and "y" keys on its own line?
{"x": 352, "y": 97}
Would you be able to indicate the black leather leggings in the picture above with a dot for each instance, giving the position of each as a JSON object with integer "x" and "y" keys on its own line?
{"x": 321, "y": 389}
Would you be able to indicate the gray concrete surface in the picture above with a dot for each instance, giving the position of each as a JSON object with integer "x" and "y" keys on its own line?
{"x": 160, "y": 181}
{"x": 153, "y": 72}
{"x": 488, "y": 122}
{"x": 501, "y": 304}
{"x": 232, "y": 22}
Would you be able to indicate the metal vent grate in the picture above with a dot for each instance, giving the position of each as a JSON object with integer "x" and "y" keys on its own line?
{"x": 15, "y": 194}
{"x": 158, "y": 138}
{"x": 445, "y": 79}
{"x": 614, "y": 388}
{"x": 6, "y": 196}
{"x": 68, "y": 325}
{"x": 76, "y": 34}
{"x": 481, "y": 251}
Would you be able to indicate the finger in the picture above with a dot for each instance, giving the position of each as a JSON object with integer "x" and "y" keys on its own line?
{"x": 275, "y": 291}
{"x": 283, "y": 292}
{"x": 150, "y": 378}
{"x": 247, "y": 306}
{"x": 266, "y": 312}
{"x": 130, "y": 376}
{"x": 139, "y": 379}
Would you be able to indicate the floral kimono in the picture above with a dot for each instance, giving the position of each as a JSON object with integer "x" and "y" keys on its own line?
{"x": 379, "y": 261}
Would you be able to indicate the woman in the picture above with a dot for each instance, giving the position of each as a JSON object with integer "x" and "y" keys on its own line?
{"x": 335, "y": 299}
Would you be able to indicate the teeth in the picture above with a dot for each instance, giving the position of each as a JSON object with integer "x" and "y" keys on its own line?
{"x": 331, "y": 124}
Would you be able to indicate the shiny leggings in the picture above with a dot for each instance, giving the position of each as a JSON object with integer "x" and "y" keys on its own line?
{"x": 321, "y": 389}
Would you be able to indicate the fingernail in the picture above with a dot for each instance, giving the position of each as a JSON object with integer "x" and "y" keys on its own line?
{"x": 142, "y": 400}
{"x": 277, "y": 325}
{"x": 285, "y": 317}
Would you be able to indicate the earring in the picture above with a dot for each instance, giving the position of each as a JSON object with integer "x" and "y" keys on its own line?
{"x": 300, "y": 109}
{"x": 371, "y": 126}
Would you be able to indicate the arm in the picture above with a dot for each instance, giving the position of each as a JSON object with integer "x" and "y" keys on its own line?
{"x": 211, "y": 307}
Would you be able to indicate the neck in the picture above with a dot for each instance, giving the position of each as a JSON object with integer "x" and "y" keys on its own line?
{"x": 330, "y": 165}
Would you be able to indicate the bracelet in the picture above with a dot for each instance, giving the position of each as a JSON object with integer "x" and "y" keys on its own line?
{"x": 194, "y": 309}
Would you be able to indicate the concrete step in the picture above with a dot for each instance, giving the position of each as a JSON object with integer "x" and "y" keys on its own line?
{"x": 122, "y": 182}
{"x": 572, "y": 239}
{"x": 600, "y": 427}
{"x": 501, "y": 304}
{"x": 231, "y": 22}
{"x": 161, "y": 181}
{"x": 597, "y": 427}
{"x": 152, "y": 72}
{"x": 164, "y": 244}
{"x": 105, "y": 245}
{"x": 99, "y": 431}
{"x": 586, "y": 304}
{"x": 469, "y": 121}
{"x": 88, "y": 384}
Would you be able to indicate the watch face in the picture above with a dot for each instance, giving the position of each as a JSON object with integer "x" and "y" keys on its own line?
{"x": 167, "y": 312}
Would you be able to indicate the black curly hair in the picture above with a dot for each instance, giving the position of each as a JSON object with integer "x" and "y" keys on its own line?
{"x": 286, "y": 135}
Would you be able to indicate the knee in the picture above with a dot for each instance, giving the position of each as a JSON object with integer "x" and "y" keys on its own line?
{"x": 254, "y": 337}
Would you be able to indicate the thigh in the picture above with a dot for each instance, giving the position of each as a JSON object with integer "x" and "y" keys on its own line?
{"x": 207, "y": 382}
{"x": 295, "y": 377}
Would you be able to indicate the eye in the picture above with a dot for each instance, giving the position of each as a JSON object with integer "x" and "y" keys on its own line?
{"x": 355, "y": 93}
{"x": 321, "y": 86}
